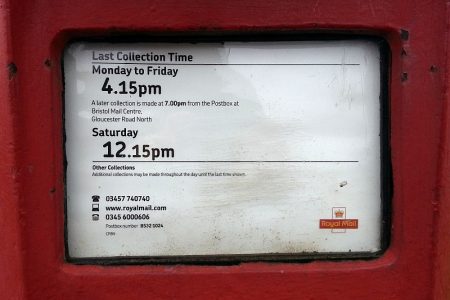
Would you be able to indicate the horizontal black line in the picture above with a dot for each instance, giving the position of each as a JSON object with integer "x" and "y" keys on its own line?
{"x": 171, "y": 64}
{"x": 226, "y": 161}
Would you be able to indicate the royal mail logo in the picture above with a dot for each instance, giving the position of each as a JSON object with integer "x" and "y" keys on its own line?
{"x": 338, "y": 222}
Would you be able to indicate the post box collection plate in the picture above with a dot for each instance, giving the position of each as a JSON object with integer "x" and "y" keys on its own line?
{"x": 216, "y": 149}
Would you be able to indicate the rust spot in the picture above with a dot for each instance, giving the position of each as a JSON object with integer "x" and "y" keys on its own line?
{"x": 404, "y": 76}
{"x": 48, "y": 63}
{"x": 12, "y": 70}
{"x": 52, "y": 190}
{"x": 434, "y": 69}
{"x": 404, "y": 34}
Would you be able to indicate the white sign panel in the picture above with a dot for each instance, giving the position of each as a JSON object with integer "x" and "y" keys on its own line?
{"x": 222, "y": 148}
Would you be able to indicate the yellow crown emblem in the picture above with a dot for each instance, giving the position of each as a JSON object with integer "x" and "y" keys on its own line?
{"x": 339, "y": 213}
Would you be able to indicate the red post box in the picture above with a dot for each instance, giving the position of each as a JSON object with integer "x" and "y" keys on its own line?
{"x": 224, "y": 150}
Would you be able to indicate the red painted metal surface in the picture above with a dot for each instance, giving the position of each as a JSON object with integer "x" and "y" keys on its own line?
{"x": 32, "y": 37}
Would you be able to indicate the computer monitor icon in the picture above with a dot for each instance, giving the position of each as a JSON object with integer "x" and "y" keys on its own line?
{"x": 95, "y": 207}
